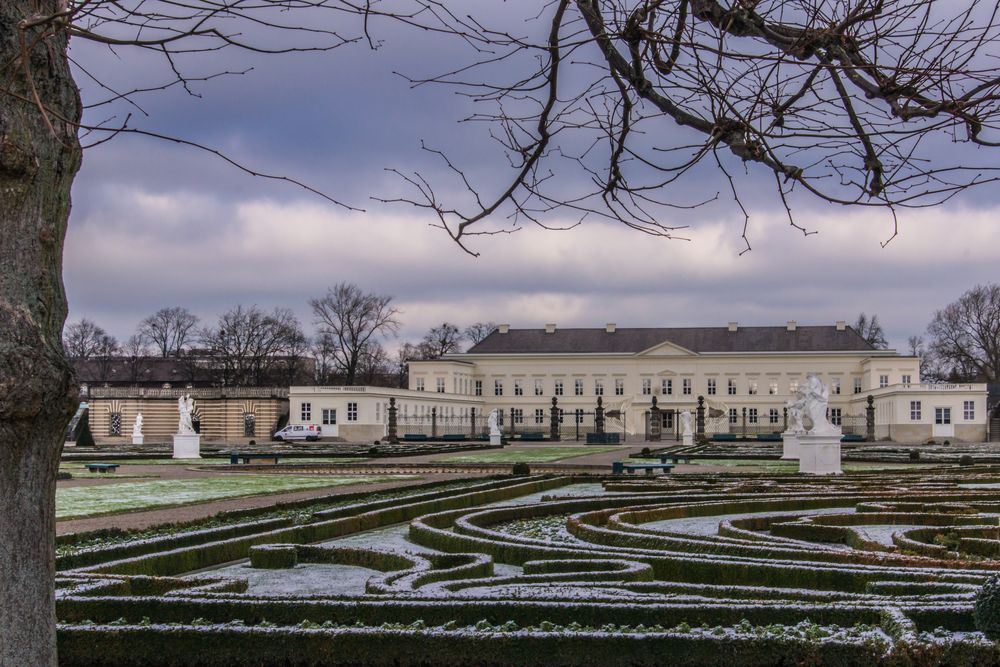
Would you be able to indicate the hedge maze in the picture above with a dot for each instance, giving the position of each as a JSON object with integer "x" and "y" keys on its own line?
{"x": 880, "y": 568}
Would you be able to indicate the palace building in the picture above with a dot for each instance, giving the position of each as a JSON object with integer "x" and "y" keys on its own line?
{"x": 745, "y": 374}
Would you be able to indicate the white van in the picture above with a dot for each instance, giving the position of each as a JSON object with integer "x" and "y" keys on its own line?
{"x": 310, "y": 432}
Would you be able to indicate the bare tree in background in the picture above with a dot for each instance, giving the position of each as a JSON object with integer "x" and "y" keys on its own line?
{"x": 965, "y": 336}
{"x": 871, "y": 330}
{"x": 249, "y": 346}
{"x": 84, "y": 339}
{"x": 848, "y": 101}
{"x": 404, "y": 354}
{"x": 440, "y": 340}
{"x": 135, "y": 354}
{"x": 106, "y": 354}
{"x": 324, "y": 353}
{"x": 169, "y": 330}
{"x": 478, "y": 331}
{"x": 353, "y": 319}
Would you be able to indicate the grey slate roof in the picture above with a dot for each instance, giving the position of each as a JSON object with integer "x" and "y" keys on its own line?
{"x": 696, "y": 339}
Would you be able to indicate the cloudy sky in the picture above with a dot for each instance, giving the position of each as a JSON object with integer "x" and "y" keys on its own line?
{"x": 155, "y": 224}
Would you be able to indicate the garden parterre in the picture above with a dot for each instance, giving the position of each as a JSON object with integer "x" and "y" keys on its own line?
{"x": 875, "y": 568}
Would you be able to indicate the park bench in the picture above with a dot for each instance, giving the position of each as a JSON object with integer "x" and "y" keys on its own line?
{"x": 414, "y": 437}
{"x": 619, "y": 467}
{"x": 532, "y": 435}
{"x": 603, "y": 438}
{"x": 101, "y": 467}
{"x": 453, "y": 436}
{"x": 852, "y": 437}
{"x": 719, "y": 437}
{"x": 246, "y": 458}
{"x": 769, "y": 437}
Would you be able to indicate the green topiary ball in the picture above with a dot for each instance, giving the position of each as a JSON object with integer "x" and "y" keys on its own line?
{"x": 987, "y": 609}
{"x": 521, "y": 468}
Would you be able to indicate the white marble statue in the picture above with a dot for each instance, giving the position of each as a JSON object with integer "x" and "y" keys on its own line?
{"x": 686, "y": 423}
{"x": 494, "y": 423}
{"x": 185, "y": 407}
{"x": 137, "y": 427}
{"x": 796, "y": 406}
{"x": 817, "y": 397}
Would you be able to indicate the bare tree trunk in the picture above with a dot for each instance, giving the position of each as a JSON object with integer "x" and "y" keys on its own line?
{"x": 39, "y": 155}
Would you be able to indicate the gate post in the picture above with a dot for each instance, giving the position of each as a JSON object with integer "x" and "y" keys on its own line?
{"x": 655, "y": 422}
{"x": 870, "y": 419}
{"x": 434, "y": 421}
{"x": 391, "y": 435}
{"x": 744, "y": 422}
{"x": 472, "y": 423}
{"x": 785, "y": 409}
{"x": 599, "y": 417}
{"x": 554, "y": 421}
{"x": 701, "y": 418}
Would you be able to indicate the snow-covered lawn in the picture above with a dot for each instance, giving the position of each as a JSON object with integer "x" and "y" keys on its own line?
{"x": 532, "y": 455}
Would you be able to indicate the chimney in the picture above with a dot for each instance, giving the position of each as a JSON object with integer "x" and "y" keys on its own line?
{"x": 734, "y": 327}
{"x": 550, "y": 328}
{"x": 841, "y": 325}
{"x": 610, "y": 327}
{"x": 503, "y": 328}
{"x": 791, "y": 325}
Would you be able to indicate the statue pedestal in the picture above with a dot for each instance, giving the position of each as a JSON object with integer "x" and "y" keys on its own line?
{"x": 819, "y": 454}
{"x": 138, "y": 439}
{"x": 790, "y": 446}
{"x": 496, "y": 439}
{"x": 688, "y": 439}
{"x": 187, "y": 446}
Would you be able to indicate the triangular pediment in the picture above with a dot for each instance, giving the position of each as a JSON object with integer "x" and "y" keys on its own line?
{"x": 667, "y": 349}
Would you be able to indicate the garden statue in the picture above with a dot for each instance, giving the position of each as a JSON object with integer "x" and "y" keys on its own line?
{"x": 185, "y": 406}
{"x": 816, "y": 396}
{"x": 494, "y": 422}
{"x": 137, "y": 427}
{"x": 686, "y": 419}
{"x": 795, "y": 409}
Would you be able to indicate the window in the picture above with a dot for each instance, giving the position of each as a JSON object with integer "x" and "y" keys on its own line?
{"x": 598, "y": 387}
{"x": 560, "y": 415}
{"x": 752, "y": 415}
{"x": 306, "y": 412}
{"x": 942, "y": 415}
{"x": 772, "y": 416}
{"x": 420, "y": 384}
{"x": 647, "y": 387}
{"x": 578, "y": 415}
{"x": 857, "y": 385}
{"x": 836, "y": 416}
{"x": 116, "y": 423}
{"x": 352, "y": 412}
{"x": 517, "y": 415}
{"x": 559, "y": 387}
{"x": 734, "y": 417}
{"x": 711, "y": 386}
{"x": 329, "y": 417}
{"x": 539, "y": 415}
{"x": 883, "y": 381}
{"x": 835, "y": 386}
{"x": 249, "y": 425}
{"x": 731, "y": 387}
{"x": 518, "y": 388}
{"x": 752, "y": 388}
{"x": 498, "y": 387}
{"x": 915, "y": 412}
{"x": 793, "y": 386}
{"x": 667, "y": 387}
{"x": 538, "y": 388}
{"x": 619, "y": 387}
{"x": 479, "y": 387}
{"x": 906, "y": 379}
{"x": 578, "y": 387}
{"x": 440, "y": 385}
{"x": 968, "y": 410}
{"x": 686, "y": 386}
{"x": 772, "y": 388}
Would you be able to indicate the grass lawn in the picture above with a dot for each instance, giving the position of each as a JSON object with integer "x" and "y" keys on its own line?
{"x": 81, "y": 501}
{"x": 533, "y": 455}
{"x": 214, "y": 462}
